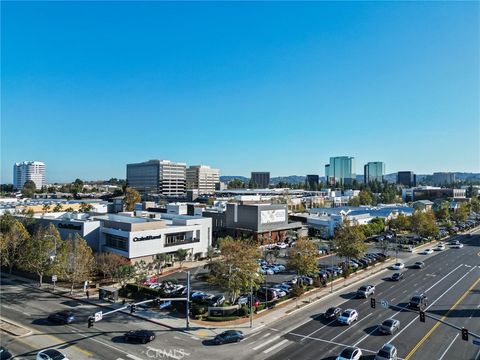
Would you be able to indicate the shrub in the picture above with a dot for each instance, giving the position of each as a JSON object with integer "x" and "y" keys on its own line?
{"x": 316, "y": 282}
{"x": 221, "y": 318}
{"x": 260, "y": 307}
{"x": 198, "y": 309}
{"x": 243, "y": 311}
{"x": 297, "y": 290}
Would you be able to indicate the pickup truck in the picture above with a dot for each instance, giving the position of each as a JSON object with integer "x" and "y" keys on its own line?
{"x": 365, "y": 291}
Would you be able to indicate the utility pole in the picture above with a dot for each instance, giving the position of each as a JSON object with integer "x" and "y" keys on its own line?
{"x": 331, "y": 273}
{"x": 251, "y": 303}
{"x": 188, "y": 299}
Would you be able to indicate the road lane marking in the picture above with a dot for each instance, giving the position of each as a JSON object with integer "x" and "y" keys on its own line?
{"x": 264, "y": 336}
{"x": 275, "y": 346}
{"x": 449, "y": 346}
{"x": 427, "y": 335}
{"x": 266, "y": 343}
{"x": 330, "y": 342}
{"x": 350, "y": 326}
{"x": 324, "y": 326}
{"x": 410, "y": 323}
{"x": 133, "y": 357}
{"x": 363, "y": 338}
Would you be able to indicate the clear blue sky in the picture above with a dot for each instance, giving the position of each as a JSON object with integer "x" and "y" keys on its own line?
{"x": 88, "y": 86}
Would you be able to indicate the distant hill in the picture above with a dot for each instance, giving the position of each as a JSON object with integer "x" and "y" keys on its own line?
{"x": 227, "y": 179}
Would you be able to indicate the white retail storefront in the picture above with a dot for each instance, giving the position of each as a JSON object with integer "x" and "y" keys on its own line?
{"x": 139, "y": 238}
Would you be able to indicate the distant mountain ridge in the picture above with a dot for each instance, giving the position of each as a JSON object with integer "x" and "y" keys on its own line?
{"x": 392, "y": 177}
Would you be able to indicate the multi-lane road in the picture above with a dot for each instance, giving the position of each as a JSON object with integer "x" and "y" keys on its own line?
{"x": 451, "y": 280}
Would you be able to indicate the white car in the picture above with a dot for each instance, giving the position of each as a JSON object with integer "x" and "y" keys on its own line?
{"x": 457, "y": 246}
{"x": 428, "y": 251}
{"x": 398, "y": 266}
{"x": 282, "y": 245}
{"x": 280, "y": 292}
{"x": 348, "y": 316}
{"x": 440, "y": 247}
{"x": 350, "y": 353}
{"x": 51, "y": 354}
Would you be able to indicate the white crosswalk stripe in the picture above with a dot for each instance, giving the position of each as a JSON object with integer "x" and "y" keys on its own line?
{"x": 266, "y": 343}
{"x": 275, "y": 346}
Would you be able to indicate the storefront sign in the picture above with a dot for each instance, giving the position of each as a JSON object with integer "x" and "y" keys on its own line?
{"x": 144, "y": 238}
{"x": 69, "y": 226}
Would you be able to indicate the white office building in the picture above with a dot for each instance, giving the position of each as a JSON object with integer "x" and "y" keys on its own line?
{"x": 161, "y": 177}
{"x": 28, "y": 170}
{"x": 203, "y": 178}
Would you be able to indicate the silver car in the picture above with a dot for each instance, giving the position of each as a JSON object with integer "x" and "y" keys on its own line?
{"x": 389, "y": 326}
{"x": 387, "y": 352}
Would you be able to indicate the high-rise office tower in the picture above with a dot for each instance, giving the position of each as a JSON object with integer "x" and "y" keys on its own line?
{"x": 161, "y": 177}
{"x": 28, "y": 170}
{"x": 373, "y": 171}
{"x": 407, "y": 178}
{"x": 312, "y": 181}
{"x": 341, "y": 169}
{"x": 260, "y": 179}
{"x": 203, "y": 178}
{"x": 443, "y": 178}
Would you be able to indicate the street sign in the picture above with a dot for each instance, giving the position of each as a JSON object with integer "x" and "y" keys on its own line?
{"x": 98, "y": 316}
{"x": 165, "y": 304}
{"x": 384, "y": 304}
{"x": 476, "y": 342}
{"x": 54, "y": 278}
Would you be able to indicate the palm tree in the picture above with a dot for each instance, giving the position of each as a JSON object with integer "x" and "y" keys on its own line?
{"x": 160, "y": 260}
{"x": 46, "y": 208}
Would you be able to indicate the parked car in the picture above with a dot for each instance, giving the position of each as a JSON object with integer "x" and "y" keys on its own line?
{"x": 350, "y": 353}
{"x": 305, "y": 280}
{"x": 281, "y": 245}
{"x": 50, "y": 354}
{"x": 228, "y": 336}
{"x": 142, "y": 336}
{"x": 217, "y": 300}
{"x": 365, "y": 291}
{"x": 4, "y": 353}
{"x": 387, "y": 352}
{"x": 398, "y": 266}
{"x": 282, "y": 287}
{"x": 397, "y": 276}
{"x": 62, "y": 317}
{"x": 418, "y": 265}
{"x": 267, "y": 294}
{"x": 280, "y": 293}
{"x": 280, "y": 266}
{"x": 418, "y": 302}
{"x": 265, "y": 271}
{"x": 200, "y": 296}
{"x": 348, "y": 316}
{"x": 332, "y": 313}
{"x": 389, "y": 326}
{"x": 243, "y": 299}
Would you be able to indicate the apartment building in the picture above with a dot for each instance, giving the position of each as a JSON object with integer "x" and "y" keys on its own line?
{"x": 28, "y": 170}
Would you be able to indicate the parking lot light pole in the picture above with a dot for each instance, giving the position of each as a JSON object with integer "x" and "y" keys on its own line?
{"x": 188, "y": 299}
{"x": 331, "y": 273}
{"x": 251, "y": 303}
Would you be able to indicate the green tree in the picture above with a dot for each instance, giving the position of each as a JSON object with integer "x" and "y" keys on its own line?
{"x": 461, "y": 213}
{"x": 423, "y": 223}
{"x": 141, "y": 272}
{"x": 302, "y": 257}
{"x": 40, "y": 252}
{"x": 58, "y": 207}
{"x": 237, "y": 269}
{"x": 400, "y": 223}
{"x": 181, "y": 256}
{"x": 13, "y": 239}
{"x": 384, "y": 246}
{"x": 124, "y": 273}
{"x": 76, "y": 187}
{"x": 46, "y": 208}
{"x": 69, "y": 209}
{"x": 350, "y": 241}
{"x": 475, "y": 204}
{"x": 271, "y": 255}
{"x": 79, "y": 262}
{"x": 236, "y": 184}
{"x": 84, "y": 207}
{"x": 29, "y": 188}
{"x": 365, "y": 197}
{"x": 443, "y": 212}
{"x": 107, "y": 263}
{"x": 131, "y": 198}
{"x": 160, "y": 260}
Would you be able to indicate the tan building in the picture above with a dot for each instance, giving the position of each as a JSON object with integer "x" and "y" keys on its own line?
{"x": 203, "y": 178}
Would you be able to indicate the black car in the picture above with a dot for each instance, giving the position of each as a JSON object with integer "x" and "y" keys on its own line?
{"x": 332, "y": 313}
{"x": 228, "y": 336}
{"x": 4, "y": 354}
{"x": 418, "y": 265}
{"x": 397, "y": 276}
{"x": 142, "y": 336}
{"x": 418, "y": 302}
{"x": 62, "y": 317}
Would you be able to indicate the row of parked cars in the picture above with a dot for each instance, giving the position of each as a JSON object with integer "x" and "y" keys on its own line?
{"x": 269, "y": 269}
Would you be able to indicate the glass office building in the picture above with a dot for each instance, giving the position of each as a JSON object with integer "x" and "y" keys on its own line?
{"x": 341, "y": 170}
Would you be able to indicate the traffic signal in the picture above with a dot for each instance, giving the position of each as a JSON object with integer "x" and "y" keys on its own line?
{"x": 372, "y": 303}
{"x": 91, "y": 320}
{"x": 464, "y": 334}
{"x": 132, "y": 308}
{"x": 422, "y": 316}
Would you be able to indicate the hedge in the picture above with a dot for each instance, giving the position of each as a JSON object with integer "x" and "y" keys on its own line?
{"x": 222, "y": 318}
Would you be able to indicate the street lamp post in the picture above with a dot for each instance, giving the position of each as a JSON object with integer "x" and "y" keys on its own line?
{"x": 188, "y": 300}
{"x": 331, "y": 273}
